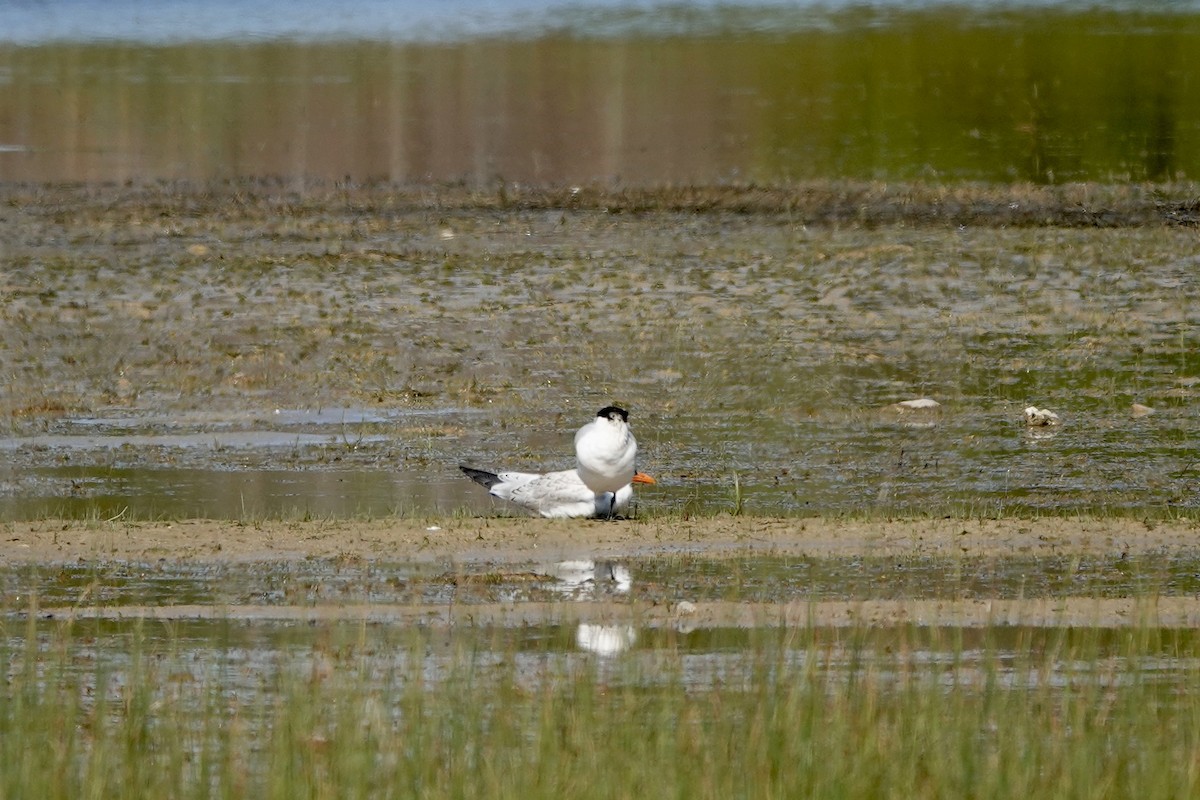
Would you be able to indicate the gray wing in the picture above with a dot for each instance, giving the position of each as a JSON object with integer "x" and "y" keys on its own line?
{"x": 553, "y": 494}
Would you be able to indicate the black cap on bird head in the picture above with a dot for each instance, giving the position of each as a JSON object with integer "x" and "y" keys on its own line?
{"x": 612, "y": 412}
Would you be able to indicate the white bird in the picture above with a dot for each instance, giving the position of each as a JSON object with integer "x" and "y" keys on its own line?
{"x": 605, "y": 451}
{"x": 558, "y": 495}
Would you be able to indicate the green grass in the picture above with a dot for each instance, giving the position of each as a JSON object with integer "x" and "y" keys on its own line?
{"x": 863, "y": 713}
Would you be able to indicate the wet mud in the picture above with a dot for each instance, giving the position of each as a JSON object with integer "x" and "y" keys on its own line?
{"x": 720, "y": 572}
{"x": 247, "y": 350}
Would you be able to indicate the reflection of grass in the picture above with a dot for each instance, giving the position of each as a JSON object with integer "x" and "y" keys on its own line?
{"x": 809, "y": 713}
{"x": 739, "y": 500}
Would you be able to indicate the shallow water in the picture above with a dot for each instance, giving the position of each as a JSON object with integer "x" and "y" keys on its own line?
{"x": 612, "y": 93}
{"x": 246, "y": 657}
{"x": 245, "y": 642}
{"x": 973, "y": 463}
{"x": 654, "y": 581}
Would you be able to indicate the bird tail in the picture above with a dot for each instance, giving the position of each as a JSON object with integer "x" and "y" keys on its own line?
{"x": 482, "y": 477}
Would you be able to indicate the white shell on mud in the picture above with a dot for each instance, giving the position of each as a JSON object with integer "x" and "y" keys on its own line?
{"x": 919, "y": 404}
{"x": 1040, "y": 416}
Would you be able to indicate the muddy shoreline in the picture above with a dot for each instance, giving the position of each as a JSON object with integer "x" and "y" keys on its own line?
{"x": 821, "y": 202}
{"x": 502, "y": 549}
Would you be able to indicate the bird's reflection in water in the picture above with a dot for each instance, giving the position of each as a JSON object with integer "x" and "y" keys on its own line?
{"x": 605, "y": 640}
{"x": 588, "y": 577}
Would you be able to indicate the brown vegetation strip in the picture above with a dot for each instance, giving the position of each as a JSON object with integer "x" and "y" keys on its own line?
{"x": 812, "y": 202}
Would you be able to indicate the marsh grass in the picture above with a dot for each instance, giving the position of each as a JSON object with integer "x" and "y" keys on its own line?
{"x": 807, "y": 713}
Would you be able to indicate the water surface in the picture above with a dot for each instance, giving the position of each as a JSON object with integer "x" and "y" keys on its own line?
{"x": 370, "y": 607}
{"x": 641, "y": 94}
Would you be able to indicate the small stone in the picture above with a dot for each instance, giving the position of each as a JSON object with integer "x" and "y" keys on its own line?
{"x": 1139, "y": 410}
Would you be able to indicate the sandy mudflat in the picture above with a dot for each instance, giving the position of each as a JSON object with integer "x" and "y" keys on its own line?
{"x": 508, "y": 540}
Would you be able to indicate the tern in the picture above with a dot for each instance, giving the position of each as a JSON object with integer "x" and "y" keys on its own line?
{"x": 558, "y": 495}
{"x": 605, "y": 451}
